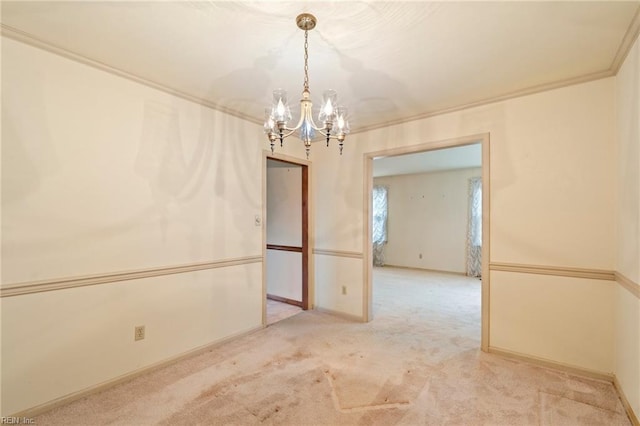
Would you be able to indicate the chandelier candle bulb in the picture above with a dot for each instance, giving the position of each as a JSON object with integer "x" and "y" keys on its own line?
{"x": 281, "y": 110}
{"x": 328, "y": 101}
{"x": 269, "y": 126}
{"x": 278, "y": 116}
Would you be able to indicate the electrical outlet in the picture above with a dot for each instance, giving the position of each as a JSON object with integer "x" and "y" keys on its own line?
{"x": 138, "y": 333}
{"x": 344, "y": 289}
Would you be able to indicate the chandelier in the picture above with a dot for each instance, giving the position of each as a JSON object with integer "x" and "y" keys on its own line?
{"x": 333, "y": 117}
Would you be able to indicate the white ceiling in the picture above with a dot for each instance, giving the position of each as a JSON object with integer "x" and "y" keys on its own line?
{"x": 461, "y": 157}
{"x": 389, "y": 61}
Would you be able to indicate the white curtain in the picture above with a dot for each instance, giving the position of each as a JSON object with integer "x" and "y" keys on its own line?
{"x": 474, "y": 234}
{"x": 379, "y": 233}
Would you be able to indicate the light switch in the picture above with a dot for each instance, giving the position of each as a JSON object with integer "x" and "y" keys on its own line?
{"x": 258, "y": 220}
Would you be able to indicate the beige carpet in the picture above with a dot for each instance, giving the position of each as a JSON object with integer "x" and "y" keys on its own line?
{"x": 417, "y": 363}
{"x": 278, "y": 311}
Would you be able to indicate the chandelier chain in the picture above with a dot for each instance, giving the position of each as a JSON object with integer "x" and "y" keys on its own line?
{"x": 306, "y": 60}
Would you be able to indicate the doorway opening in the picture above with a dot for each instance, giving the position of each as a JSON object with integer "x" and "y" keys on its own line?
{"x": 286, "y": 237}
{"x": 471, "y": 242}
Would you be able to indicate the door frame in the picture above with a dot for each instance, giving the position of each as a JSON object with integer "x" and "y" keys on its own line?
{"x": 308, "y": 287}
{"x": 484, "y": 140}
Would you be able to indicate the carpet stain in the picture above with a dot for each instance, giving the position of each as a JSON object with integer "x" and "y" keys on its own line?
{"x": 389, "y": 396}
{"x": 283, "y": 360}
{"x": 417, "y": 362}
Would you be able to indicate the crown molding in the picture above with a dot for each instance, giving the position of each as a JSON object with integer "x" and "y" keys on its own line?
{"x": 627, "y": 43}
{"x": 633, "y": 32}
{"x": 631, "y": 35}
{"x": 517, "y": 94}
{"x": 26, "y": 38}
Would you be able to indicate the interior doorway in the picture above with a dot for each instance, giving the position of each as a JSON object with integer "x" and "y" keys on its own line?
{"x": 483, "y": 141}
{"x": 286, "y": 239}
{"x": 427, "y": 203}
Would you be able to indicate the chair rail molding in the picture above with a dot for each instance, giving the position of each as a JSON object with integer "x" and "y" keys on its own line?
{"x": 559, "y": 271}
{"x": 114, "y": 277}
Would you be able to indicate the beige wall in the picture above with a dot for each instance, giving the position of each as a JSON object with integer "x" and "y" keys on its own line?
{"x": 104, "y": 175}
{"x": 284, "y": 205}
{"x": 284, "y": 274}
{"x": 549, "y": 317}
{"x": 552, "y": 167}
{"x": 100, "y": 175}
{"x": 627, "y": 335}
{"x": 428, "y": 215}
{"x": 284, "y": 227}
{"x": 333, "y": 272}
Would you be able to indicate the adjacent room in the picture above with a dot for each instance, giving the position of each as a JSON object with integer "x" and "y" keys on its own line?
{"x": 427, "y": 232}
{"x": 191, "y": 213}
{"x": 431, "y": 202}
{"x": 287, "y": 236}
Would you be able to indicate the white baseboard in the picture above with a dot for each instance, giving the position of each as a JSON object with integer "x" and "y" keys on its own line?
{"x": 339, "y": 314}
{"x": 415, "y": 268}
{"x": 579, "y": 371}
{"x": 39, "y": 409}
{"x": 625, "y": 402}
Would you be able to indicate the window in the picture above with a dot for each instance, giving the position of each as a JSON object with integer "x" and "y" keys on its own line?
{"x": 476, "y": 212}
{"x": 474, "y": 234}
{"x": 380, "y": 212}
{"x": 379, "y": 232}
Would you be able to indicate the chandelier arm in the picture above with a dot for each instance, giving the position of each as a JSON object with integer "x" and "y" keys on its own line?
{"x": 326, "y": 133}
{"x": 308, "y": 116}
{"x": 323, "y": 132}
{"x": 290, "y": 132}
{"x": 303, "y": 115}
{"x": 322, "y": 129}
{"x": 318, "y": 129}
